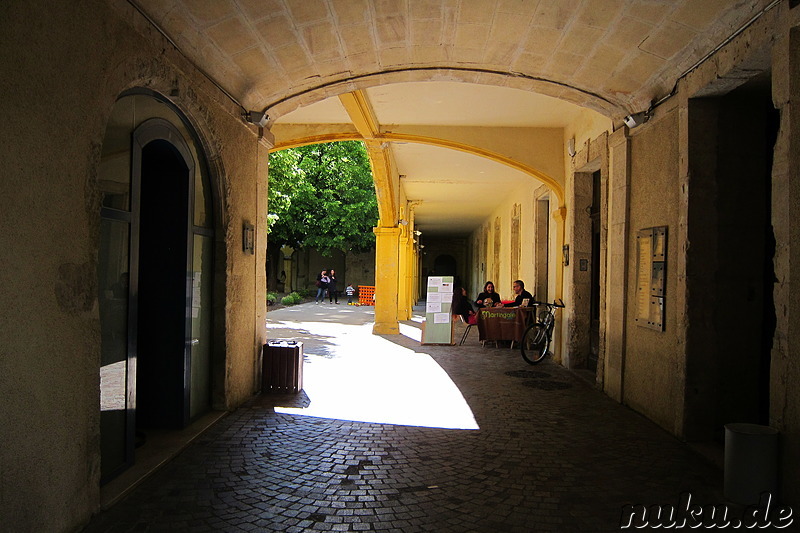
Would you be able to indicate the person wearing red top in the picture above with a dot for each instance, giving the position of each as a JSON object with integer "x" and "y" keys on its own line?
{"x": 462, "y": 306}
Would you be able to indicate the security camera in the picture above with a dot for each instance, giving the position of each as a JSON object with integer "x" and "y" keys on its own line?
{"x": 257, "y": 117}
{"x": 636, "y": 119}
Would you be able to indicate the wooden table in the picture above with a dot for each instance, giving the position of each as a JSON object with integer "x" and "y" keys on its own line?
{"x": 504, "y": 323}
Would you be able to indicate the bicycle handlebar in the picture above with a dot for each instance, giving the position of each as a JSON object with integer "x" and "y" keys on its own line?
{"x": 554, "y": 304}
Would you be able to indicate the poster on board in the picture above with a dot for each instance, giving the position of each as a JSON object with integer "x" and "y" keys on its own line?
{"x": 438, "y": 326}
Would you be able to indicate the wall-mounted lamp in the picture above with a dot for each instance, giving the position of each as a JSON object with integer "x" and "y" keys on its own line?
{"x": 565, "y": 254}
{"x": 256, "y": 117}
{"x": 417, "y": 232}
{"x": 248, "y": 239}
{"x": 421, "y": 246}
{"x": 403, "y": 222}
{"x": 571, "y": 147}
{"x": 636, "y": 119}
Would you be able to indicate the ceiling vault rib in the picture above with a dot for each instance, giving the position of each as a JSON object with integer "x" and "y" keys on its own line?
{"x": 488, "y": 154}
{"x": 383, "y": 138}
{"x": 361, "y": 113}
{"x": 505, "y": 74}
{"x": 357, "y": 106}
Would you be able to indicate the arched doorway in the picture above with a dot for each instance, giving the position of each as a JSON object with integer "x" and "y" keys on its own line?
{"x": 164, "y": 173}
{"x": 155, "y": 277}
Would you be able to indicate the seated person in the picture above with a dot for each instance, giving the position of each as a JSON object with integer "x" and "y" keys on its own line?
{"x": 462, "y": 306}
{"x": 519, "y": 290}
{"x": 488, "y": 298}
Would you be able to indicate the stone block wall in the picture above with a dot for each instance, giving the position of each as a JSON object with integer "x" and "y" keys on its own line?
{"x": 66, "y": 78}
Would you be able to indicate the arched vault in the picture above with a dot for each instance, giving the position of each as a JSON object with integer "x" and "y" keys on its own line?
{"x": 455, "y": 141}
{"x": 535, "y": 152}
{"x": 416, "y": 176}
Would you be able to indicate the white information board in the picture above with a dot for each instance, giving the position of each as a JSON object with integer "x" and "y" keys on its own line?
{"x": 438, "y": 313}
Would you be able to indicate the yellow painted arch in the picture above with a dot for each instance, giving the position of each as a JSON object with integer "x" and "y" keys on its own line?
{"x": 554, "y": 186}
{"x": 560, "y": 215}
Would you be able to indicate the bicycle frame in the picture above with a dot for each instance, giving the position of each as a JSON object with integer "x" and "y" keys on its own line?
{"x": 536, "y": 340}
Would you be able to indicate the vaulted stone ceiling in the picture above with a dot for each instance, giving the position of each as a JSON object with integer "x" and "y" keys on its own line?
{"x": 526, "y": 64}
{"x": 614, "y": 56}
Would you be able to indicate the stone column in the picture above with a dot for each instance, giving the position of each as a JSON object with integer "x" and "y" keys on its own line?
{"x": 261, "y": 186}
{"x": 387, "y": 241}
{"x": 619, "y": 183}
{"x": 404, "y": 276}
{"x": 560, "y": 332}
{"x": 785, "y": 364}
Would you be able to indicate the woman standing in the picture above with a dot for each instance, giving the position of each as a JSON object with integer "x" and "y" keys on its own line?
{"x": 322, "y": 285}
{"x": 332, "y": 296}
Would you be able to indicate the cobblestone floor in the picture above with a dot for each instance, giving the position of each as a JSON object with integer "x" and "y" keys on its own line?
{"x": 551, "y": 452}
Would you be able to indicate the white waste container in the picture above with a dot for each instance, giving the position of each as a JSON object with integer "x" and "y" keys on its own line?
{"x": 751, "y": 462}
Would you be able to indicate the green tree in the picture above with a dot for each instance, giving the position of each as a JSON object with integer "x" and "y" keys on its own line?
{"x": 322, "y": 196}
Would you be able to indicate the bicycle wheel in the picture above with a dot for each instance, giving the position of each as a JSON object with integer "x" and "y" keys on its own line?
{"x": 534, "y": 344}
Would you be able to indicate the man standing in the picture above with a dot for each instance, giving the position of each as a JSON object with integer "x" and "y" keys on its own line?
{"x": 522, "y": 294}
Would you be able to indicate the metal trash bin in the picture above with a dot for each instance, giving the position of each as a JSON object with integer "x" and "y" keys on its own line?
{"x": 282, "y": 366}
{"x": 751, "y": 462}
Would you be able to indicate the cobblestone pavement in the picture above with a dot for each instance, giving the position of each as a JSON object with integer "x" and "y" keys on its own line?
{"x": 551, "y": 452}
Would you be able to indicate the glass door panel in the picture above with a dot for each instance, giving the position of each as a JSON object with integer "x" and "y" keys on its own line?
{"x": 113, "y": 283}
{"x": 202, "y": 271}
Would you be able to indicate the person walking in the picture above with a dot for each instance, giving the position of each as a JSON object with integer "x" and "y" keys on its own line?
{"x": 333, "y": 296}
{"x": 349, "y": 291}
{"x": 322, "y": 286}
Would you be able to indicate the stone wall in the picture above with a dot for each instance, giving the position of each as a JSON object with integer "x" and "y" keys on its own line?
{"x": 66, "y": 77}
{"x": 360, "y": 269}
{"x": 785, "y": 366}
{"x": 654, "y": 360}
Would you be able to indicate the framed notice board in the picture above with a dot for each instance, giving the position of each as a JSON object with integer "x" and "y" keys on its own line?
{"x": 438, "y": 327}
{"x": 651, "y": 248}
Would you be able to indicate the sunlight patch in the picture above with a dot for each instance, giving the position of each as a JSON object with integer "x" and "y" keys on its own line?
{"x": 113, "y": 385}
{"x": 411, "y": 332}
{"x": 366, "y": 378}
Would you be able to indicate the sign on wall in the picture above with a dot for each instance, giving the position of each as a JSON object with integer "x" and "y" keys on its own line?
{"x": 438, "y": 313}
{"x": 650, "y": 277}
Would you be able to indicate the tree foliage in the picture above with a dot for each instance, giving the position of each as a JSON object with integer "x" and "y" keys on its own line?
{"x": 322, "y": 196}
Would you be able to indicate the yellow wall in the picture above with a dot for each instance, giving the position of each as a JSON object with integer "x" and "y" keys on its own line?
{"x": 523, "y": 195}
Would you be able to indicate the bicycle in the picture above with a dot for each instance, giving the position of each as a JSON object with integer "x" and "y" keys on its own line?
{"x": 536, "y": 340}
